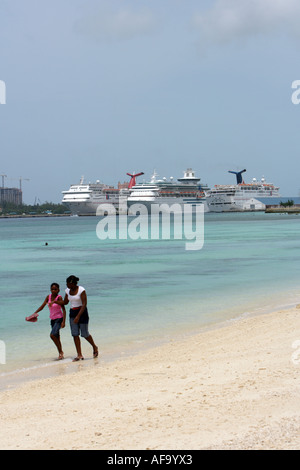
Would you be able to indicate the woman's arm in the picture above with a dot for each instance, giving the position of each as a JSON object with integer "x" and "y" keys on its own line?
{"x": 62, "y": 302}
{"x": 43, "y": 305}
{"x": 64, "y": 316}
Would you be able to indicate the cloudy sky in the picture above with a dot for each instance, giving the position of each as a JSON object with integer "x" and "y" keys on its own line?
{"x": 104, "y": 87}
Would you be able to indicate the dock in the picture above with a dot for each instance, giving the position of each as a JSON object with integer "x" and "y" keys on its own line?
{"x": 280, "y": 209}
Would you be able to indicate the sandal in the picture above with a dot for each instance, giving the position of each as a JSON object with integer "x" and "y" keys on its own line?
{"x": 76, "y": 359}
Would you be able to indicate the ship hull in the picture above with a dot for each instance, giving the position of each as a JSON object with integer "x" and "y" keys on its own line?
{"x": 95, "y": 208}
{"x": 239, "y": 204}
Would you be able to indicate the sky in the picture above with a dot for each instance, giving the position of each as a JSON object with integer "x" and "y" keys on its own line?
{"x": 99, "y": 88}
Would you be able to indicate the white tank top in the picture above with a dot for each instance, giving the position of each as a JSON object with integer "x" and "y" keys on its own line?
{"x": 75, "y": 300}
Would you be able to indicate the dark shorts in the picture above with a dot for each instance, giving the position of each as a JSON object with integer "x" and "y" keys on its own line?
{"x": 84, "y": 318}
{"x": 55, "y": 326}
{"x": 79, "y": 329}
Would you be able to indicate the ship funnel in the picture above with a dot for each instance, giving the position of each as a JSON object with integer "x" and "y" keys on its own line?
{"x": 132, "y": 181}
{"x": 238, "y": 174}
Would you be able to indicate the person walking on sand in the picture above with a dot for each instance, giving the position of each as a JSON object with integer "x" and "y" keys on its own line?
{"x": 57, "y": 316}
{"x": 79, "y": 317}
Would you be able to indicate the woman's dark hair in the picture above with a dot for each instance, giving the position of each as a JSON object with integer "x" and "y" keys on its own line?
{"x": 54, "y": 284}
{"x": 73, "y": 279}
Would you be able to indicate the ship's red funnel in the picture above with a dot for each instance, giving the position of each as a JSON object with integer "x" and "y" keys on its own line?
{"x": 133, "y": 179}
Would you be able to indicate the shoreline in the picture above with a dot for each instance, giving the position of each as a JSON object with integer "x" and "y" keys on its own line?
{"x": 14, "y": 378}
{"x": 31, "y": 216}
{"x": 231, "y": 386}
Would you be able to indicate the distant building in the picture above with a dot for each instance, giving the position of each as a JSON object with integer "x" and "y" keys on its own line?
{"x": 123, "y": 185}
{"x": 13, "y": 195}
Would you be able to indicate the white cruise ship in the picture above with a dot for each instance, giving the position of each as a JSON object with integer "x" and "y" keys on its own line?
{"x": 241, "y": 196}
{"x": 84, "y": 198}
{"x": 187, "y": 190}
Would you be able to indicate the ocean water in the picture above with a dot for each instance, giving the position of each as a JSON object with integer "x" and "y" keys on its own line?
{"x": 141, "y": 291}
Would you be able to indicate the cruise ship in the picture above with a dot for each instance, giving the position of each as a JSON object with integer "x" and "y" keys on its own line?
{"x": 187, "y": 190}
{"x": 241, "y": 196}
{"x": 85, "y": 198}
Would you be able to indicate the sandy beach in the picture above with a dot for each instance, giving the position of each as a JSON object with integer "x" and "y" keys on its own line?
{"x": 234, "y": 387}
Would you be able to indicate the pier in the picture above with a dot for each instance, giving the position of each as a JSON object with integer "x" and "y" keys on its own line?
{"x": 281, "y": 209}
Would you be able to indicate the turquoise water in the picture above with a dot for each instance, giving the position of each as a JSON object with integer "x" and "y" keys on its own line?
{"x": 140, "y": 291}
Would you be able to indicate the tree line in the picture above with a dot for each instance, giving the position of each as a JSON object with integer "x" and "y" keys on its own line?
{"x": 8, "y": 208}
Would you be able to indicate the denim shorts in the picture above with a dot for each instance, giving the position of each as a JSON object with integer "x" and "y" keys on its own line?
{"x": 79, "y": 329}
{"x": 55, "y": 326}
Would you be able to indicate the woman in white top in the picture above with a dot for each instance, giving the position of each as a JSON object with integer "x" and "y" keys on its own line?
{"x": 79, "y": 317}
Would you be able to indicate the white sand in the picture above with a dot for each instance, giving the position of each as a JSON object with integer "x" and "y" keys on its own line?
{"x": 236, "y": 387}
